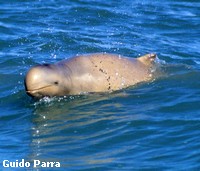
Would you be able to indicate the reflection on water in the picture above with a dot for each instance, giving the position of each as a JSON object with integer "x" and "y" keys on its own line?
{"x": 70, "y": 128}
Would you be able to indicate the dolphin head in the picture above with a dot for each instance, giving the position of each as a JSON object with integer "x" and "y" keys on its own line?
{"x": 44, "y": 80}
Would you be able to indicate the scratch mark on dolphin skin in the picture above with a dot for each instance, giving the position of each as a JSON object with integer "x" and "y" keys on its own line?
{"x": 104, "y": 72}
{"x": 109, "y": 85}
{"x": 101, "y": 70}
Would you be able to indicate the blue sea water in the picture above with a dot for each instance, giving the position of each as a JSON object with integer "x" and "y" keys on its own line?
{"x": 152, "y": 126}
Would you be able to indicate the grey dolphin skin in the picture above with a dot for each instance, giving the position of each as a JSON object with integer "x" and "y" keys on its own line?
{"x": 99, "y": 72}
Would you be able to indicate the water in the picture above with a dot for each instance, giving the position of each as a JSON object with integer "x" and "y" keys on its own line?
{"x": 153, "y": 126}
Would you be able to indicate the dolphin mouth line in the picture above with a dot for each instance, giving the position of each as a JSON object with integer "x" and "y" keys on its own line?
{"x": 37, "y": 89}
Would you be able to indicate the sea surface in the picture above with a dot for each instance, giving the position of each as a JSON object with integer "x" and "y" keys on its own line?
{"x": 151, "y": 126}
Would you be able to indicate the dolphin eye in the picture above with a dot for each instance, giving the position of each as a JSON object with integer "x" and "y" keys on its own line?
{"x": 56, "y": 82}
